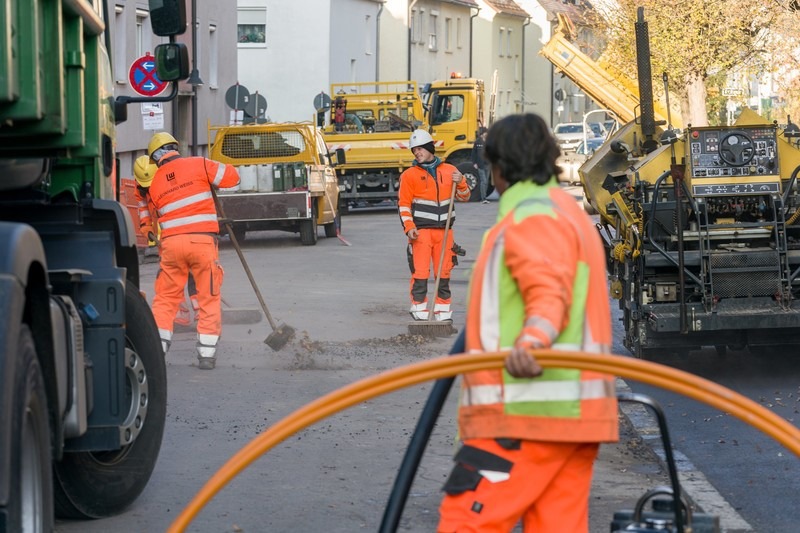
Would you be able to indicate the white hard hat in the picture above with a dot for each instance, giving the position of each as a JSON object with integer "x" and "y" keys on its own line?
{"x": 418, "y": 138}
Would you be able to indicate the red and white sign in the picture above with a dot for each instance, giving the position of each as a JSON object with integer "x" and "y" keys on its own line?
{"x": 143, "y": 77}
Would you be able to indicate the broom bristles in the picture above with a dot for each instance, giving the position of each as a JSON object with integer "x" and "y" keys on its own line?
{"x": 431, "y": 328}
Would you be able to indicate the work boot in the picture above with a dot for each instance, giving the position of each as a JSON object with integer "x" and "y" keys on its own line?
{"x": 442, "y": 312}
{"x": 206, "y": 363}
{"x": 419, "y": 311}
{"x": 206, "y": 352}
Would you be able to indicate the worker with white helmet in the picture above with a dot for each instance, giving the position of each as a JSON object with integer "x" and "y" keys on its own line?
{"x": 423, "y": 202}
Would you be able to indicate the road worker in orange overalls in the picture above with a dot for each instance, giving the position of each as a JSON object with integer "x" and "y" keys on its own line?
{"x": 181, "y": 193}
{"x": 423, "y": 201}
{"x": 530, "y": 436}
{"x": 143, "y": 171}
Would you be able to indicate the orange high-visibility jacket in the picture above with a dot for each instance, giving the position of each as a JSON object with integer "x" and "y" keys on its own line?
{"x": 541, "y": 273}
{"x": 145, "y": 207}
{"x": 181, "y": 193}
{"x": 423, "y": 201}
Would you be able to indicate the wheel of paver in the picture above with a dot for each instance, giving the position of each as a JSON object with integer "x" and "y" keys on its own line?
{"x": 330, "y": 228}
{"x": 308, "y": 229}
{"x": 101, "y": 484}
{"x": 30, "y": 484}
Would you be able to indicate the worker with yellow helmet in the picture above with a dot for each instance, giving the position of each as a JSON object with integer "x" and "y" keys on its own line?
{"x": 182, "y": 193}
{"x": 143, "y": 171}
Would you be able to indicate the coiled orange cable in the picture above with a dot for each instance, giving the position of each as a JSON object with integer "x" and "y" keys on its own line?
{"x": 648, "y": 372}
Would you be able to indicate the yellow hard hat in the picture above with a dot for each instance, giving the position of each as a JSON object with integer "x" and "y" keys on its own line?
{"x": 144, "y": 170}
{"x": 158, "y": 140}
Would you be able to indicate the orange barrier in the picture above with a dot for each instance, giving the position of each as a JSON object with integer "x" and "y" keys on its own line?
{"x": 648, "y": 372}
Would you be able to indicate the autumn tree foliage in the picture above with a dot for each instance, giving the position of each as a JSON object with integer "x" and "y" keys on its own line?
{"x": 702, "y": 45}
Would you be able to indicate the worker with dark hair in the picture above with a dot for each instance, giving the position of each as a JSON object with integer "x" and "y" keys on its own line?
{"x": 530, "y": 436}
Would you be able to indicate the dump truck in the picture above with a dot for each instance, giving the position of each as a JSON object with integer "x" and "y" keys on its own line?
{"x": 607, "y": 86}
{"x": 83, "y": 386}
{"x": 287, "y": 179}
{"x": 701, "y": 229}
{"x": 377, "y": 119}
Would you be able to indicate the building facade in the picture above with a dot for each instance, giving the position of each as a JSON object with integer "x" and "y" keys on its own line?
{"x": 186, "y": 117}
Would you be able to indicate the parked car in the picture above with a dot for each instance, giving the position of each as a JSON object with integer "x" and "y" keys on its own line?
{"x": 571, "y": 162}
{"x": 568, "y": 135}
{"x": 598, "y": 129}
{"x": 611, "y": 126}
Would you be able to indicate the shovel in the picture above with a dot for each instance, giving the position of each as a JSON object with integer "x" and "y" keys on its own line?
{"x": 280, "y": 335}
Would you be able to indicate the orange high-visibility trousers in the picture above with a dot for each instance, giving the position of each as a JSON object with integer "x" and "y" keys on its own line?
{"x": 427, "y": 248}
{"x": 547, "y": 488}
{"x": 181, "y": 254}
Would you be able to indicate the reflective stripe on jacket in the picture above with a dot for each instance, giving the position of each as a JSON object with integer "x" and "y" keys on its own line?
{"x": 144, "y": 207}
{"x": 541, "y": 273}
{"x": 181, "y": 193}
{"x": 423, "y": 201}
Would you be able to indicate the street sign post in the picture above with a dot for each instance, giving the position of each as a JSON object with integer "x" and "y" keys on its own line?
{"x": 143, "y": 78}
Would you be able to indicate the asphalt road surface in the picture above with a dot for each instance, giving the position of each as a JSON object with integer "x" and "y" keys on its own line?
{"x": 350, "y": 307}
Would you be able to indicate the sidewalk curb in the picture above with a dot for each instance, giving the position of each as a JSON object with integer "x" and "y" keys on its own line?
{"x": 695, "y": 486}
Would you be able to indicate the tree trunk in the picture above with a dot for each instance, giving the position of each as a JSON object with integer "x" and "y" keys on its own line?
{"x": 696, "y": 95}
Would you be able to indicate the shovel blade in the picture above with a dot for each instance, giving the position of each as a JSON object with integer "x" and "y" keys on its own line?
{"x": 279, "y": 338}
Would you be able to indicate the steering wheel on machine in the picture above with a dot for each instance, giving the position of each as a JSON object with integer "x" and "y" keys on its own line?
{"x": 736, "y": 149}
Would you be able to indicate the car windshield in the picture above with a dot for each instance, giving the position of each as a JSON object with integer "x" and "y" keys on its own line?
{"x": 569, "y": 128}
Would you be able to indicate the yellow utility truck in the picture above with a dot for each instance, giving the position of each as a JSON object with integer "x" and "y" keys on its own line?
{"x": 287, "y": 180}
{"x": 372, "y": 121}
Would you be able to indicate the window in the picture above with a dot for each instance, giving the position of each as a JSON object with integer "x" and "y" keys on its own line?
{"x": 142, "y": 32}
{"x": 458, "y": 32}
{"x": 416, "y": 25}
{"x": 508, "y": 42}
{"x": 433, "y": 45}
{"x": 213, "y": 57}
{"x": 447, "y": 108}
{"x": 448, "y": 34}
{"x": 500, "y": 41}
{"x": 516, "y": 68}
{"x": 120, "y": 59}
{"x": 252, "y": 27}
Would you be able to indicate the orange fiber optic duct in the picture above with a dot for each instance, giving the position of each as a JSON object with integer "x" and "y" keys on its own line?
{"x": 655, "y": 374}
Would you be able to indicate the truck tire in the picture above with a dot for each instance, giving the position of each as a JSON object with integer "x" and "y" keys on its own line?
{"x": 471, "y": 175}
{"x": 30, "y": 505}
{"x": 103, "y": 483}
{"x": 308, "y": 229}
{"x": 332, "y": 227}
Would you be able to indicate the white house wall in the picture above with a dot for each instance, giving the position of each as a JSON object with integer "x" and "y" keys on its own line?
{"x": 216, "y": 63}
{"x": 538, "y": 80}
{"x": 293, "y": 65}
{"x": 312, "y": 43}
